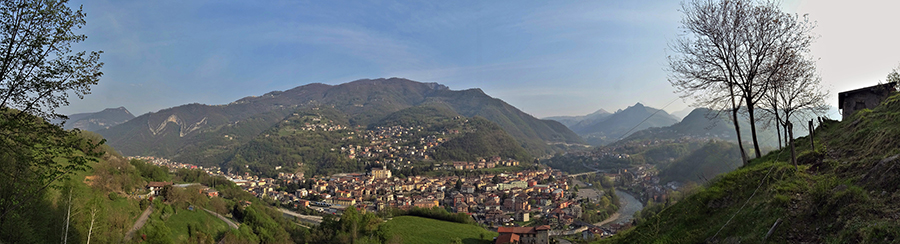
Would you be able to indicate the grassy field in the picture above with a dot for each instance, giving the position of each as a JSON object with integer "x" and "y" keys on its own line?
{"x": 423, "y": 230}
{"x": 205, "y": 222}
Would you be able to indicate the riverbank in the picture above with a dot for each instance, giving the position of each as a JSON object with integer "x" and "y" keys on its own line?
{"x": 630, "y": 205}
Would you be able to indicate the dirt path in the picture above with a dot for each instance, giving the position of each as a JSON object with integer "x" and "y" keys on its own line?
{"x": 139, "y": 223}
{"x": 227, "y": 221}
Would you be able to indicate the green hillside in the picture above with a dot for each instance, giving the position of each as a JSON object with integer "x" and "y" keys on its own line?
{"x": 485, "y": 140}
{"x": 714, "y": 158}
{"x": 418, "y": 230}
{"x": 846, "y": 191}
{"x": 207, "y": 134}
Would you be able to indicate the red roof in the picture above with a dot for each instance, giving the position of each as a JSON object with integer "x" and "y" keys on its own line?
{"x": 516, "y": 230}
{"x": 507, "y": 238}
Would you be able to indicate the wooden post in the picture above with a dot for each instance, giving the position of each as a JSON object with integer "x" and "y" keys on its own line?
{"x": 812, "y": 135}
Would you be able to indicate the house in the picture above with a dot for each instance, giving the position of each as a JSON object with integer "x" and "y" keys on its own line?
{"x": 426, "y": 204}
{"x": 212, "y": 192}
{"x": 459, "y": 165}
{"x": 522, "y": 216}
{"x": 524, "y": 235}
{"x": 593, "y": 233}
{"x": 155, "y": 186}
{"x": 381, "y": 173}
{"x": 468, "y": 188}
{"x": 343, "y": 201}
{"x": 868, "y": 97}
{"x": 462, "y": 208}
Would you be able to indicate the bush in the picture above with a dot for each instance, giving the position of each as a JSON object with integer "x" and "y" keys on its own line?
{"x": 144, "y": 204}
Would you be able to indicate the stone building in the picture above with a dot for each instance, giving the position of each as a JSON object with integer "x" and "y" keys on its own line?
{"x": 863, "y": 98}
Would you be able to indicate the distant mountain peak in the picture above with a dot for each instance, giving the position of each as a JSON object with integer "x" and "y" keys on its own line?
{"x": 599, "y": 111}
{"x": 97, "y": 120}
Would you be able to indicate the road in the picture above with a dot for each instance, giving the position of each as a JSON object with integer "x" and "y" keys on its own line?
{"x": 305, "y": 218}
{"x": 228, "y": 221}
{"x": 139, "y": 223}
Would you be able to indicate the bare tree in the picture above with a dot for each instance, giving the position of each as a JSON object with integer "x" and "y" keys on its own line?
{"x": 796, "y": 91}
{"x": 730, "y": 51}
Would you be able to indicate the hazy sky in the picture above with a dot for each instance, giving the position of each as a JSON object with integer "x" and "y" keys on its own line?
{"x": 557, "y": 58}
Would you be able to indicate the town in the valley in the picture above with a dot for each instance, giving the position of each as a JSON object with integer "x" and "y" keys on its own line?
{"x": 498, "y": 201}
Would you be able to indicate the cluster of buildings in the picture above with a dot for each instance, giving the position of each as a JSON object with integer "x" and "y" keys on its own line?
{"x": 482, "y": 163}
{"x": 395, "y": 146}
{"x": 172, "y": 164}
{"x": 494, "y": 200}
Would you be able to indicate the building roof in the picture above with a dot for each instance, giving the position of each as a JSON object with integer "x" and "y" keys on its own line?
{"x": 542, "y": 227}
{"x": 516, "y": 230}
{"x": 507, "y": 238}
{"x": 886, "y": 87}
{"x": 158, "y": 184}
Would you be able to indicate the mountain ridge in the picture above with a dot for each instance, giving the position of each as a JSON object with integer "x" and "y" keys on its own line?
{"x": 611, "y": 127}
{"x": 97, "y": 120}
{"x": 187, "y": 129}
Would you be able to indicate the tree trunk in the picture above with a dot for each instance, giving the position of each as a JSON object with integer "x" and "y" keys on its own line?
{"x": 91, "y": 229}
{"x": 757, "y": 152}
{"x": 793, "y": 151}
{"x": 68, "y": 215}
{"x": 786, "y": 137}
{"x": 778, "y": 128}
{"x": 737, "y": 128}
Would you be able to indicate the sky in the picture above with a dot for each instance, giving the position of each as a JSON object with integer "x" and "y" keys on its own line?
{"x": 547, "y": 59}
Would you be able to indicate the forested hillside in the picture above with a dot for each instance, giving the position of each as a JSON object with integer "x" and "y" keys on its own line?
{"x": 206, "y": 135}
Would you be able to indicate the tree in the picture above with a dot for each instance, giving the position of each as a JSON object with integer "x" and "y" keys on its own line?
{"x": 38, "y": 71}
{"x": 894, "y": 76}
{"x": 95, "y": 206}
{"x": 795, "y": 91}
{"x": 38, "y": 68}
{"x": 733, "y": 51}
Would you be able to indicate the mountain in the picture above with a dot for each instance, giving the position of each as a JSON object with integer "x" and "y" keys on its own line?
{"x": 616, "y": 125}
{"x": 680, "y": 114}
{"x": 703, "y": 123}
{"x": 842, "y": 190}
{"x": 570, "y": 121}
{"x": 205, "y": 134}
{"x": 98, "y": 120}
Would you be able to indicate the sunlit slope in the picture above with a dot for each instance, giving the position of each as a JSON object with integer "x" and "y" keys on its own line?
{"x": 844, "y": 192}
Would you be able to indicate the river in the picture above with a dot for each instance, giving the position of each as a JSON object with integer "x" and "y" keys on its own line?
{"x": 630, "y": 205}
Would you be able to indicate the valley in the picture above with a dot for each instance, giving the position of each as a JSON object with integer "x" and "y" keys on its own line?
{"x": 469, "y": 122}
